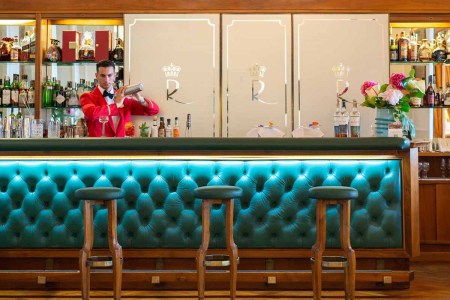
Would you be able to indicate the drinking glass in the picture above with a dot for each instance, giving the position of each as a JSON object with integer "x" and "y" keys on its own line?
{"x": 425, "y": 169}
{"x": 420, "y": 169}
{"x": 103, "y": 120}
{"x": 37, "y": 128}
{"x": 443, "y": 168}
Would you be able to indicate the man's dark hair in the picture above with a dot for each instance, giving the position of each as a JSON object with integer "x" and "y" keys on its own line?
{"x": 105, "y": 64}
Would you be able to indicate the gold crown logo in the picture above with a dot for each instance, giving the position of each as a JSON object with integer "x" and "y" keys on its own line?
{"x": 171, "y": 70}
{"x": 257, "y": 70}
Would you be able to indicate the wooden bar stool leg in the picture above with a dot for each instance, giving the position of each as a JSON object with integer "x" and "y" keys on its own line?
{"x": 349, "y": 252}
{"x": 115, "y": 248}
{"x": 201, "y": 253}
{"x": 86, "y": 250}
{"x": 318, "y": 249}
{"x": 231, "y": 247}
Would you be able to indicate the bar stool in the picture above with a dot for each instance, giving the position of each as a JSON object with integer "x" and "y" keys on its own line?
{"x": 91, "y": 197}
{"x": 333, "y": 195}
{"x": 217, "y": 195}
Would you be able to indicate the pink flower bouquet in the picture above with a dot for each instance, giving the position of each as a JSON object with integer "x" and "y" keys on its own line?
{"x": 396, "y": 94}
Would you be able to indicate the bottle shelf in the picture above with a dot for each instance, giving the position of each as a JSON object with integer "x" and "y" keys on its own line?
{"x": 418, "y": 62}
{"x": 77, "y": 63}
{"x": 58, "y": 107}
{"x": 31, "y": 63}
{"x": 15, "y": 106}
{"x": 431, "y": 107}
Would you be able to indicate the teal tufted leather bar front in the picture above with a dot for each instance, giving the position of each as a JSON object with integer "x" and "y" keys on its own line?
{"x": 38, "y": 209}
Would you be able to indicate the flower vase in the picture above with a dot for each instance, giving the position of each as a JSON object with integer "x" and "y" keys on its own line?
{"x": 383, "y": 118}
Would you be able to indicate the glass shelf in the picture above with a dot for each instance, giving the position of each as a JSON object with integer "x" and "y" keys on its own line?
{"x": 17, "y": 62}
{"x": 436, "y": 106}
{"x": 417, "y": 62}
{"x": 81, "y": 63}
{"x": 57, "y": 107}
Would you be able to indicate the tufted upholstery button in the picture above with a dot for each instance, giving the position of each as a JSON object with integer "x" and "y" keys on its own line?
{"x": 32, "y": 188}
{"x": 46, "y": 173}
{"x": 3, "y": 189}
{"x": 158, "y": 234}
{"x": 388, "y": 170}
{"x": 130, "y": 234}
{"x": 18, "y": 172}
{"x": 74, "y": 172}
{"x": 103, "y": 235}
{"x": 17, "y": 234}
{"x": 45, "y": 234}
{"x": 32, "y": 219}
{"x": 145, "y": 189}
{"x": 74, "y": 235}
{"x": 103, "y": 172}
{"x": 130, "y": 173}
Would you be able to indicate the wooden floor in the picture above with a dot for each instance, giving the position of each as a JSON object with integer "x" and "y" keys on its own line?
{"x": 432, "y": 281}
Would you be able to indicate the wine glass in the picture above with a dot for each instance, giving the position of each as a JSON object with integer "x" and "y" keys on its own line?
{"x": 103, "y": 120}
{"x": 443, "y": 168}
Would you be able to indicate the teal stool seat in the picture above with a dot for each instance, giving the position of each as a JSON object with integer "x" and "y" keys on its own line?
{"x": 99, "y": 193}
{"x": 333, "y": 192}
{"x": 218, "y": 192}
{"x": 333, "y": 195}
{"x": 217, "y": 195}
{"x": 103, "y": 196}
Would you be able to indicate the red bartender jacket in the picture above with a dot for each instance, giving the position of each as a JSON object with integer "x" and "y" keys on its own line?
{"x": 94, "y": 105}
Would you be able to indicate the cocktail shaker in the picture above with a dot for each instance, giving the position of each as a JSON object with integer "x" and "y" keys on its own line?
{"x": 132, "y": 89}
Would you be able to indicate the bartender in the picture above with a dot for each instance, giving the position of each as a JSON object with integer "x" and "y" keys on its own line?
{"x": 112, "y": 107}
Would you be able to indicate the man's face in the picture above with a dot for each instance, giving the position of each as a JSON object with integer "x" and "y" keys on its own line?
{"x": 105, "y": 77}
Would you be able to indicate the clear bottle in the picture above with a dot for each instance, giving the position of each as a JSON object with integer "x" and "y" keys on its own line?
{"x": 25, "y": 43}
{"x": 23, "y": 94}
{"x": 6, "y": 95}
{"x": 176, "y": 128}
{"x": 162, "y": 127}
{"x": 154, "y": 129}
{"x": 355, "y": 121}
{"x": 413, "y": 48}
{"x": 188, "y": 132}
{"x": 73, "y": 100}
{"x": 16, "y": 50}
{"x": 337, "y": 118}
{"x": 169, "y": 130}
{"x": 80, "y": 88}
{"x": 446, "y": 96}
{"x": 343, "y": 122}
{"x": 425, "y": 52}
{"x": 30, "y": 94}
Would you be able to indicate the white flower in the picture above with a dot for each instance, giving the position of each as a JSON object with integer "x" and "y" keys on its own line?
{"x": 415, "y": 84}
{"x": 392, "y": 95}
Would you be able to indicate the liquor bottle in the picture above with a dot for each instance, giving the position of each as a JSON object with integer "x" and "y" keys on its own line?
{"x": 446, "y": 97}
{"x": 437, "y": 93}
{"x": 73, "y": 100}
{"x": 32, "y": 45}
{"x": 16, "y": 50}
{"x": 176, "y": 128}
{"x": 413, "y": 48}
{"x": 161, "y": 129}
{"x": 31, "y": 94}
{"x": 429, "y": 93}
{"x": 117, "y": 54}
{"x": 425, "y": 51}
{"x": 169, "y": 130}
{"x": 1, "y": 95}
{"x": 47, "y": 93}
{"x": 60, "y": 98}
{"x": 188, "y": 132}
{"x": 355, "y": 121}
{"x": 439, "y": 53}
{"x": 23, "y": 94}
{"x": 154, "y": 129}
{"x": 6, "y": 95}
{"x": 25, "y": 43}
{"x": 343, "y": 122}
{"x": 403, "y": 45}
{"x": 393, "y": 51}
{"x": 80, "y": 88}
{"x": 337, "y": 118}
{"x": 15, "y": 90}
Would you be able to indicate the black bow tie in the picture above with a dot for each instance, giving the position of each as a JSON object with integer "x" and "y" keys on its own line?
{"x": 106, "y": 94}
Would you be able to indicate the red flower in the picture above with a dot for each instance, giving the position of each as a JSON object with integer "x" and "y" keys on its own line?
{"x": 396, "y": 80}
{"x": 367, "y": 85}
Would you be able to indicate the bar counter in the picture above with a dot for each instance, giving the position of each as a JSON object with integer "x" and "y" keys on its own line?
{"x": 159, "y": 220}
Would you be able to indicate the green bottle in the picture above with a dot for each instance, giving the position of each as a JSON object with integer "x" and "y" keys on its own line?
{"x": 47, "y": 93}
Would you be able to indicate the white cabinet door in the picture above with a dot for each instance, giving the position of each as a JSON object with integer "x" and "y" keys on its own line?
{"x": 176, "y": 57}
{"x": 256, "y": 56}
{"x": 323, "y": 41}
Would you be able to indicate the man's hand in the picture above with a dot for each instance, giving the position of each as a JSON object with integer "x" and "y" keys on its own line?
{"x": 119, "y": 97}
